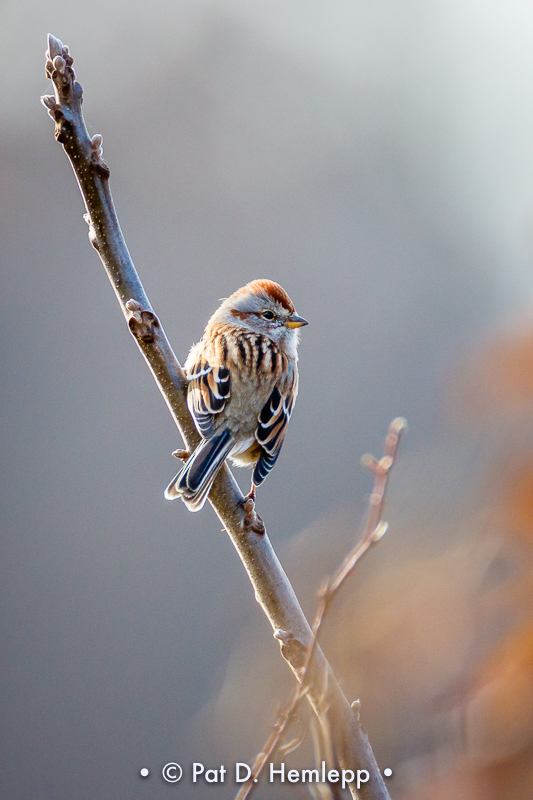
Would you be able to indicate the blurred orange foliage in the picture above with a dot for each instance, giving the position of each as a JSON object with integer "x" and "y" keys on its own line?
{"x": 517, "y": 505}
{"x": 492, "y": 755}
{"x": 499, "y": 377}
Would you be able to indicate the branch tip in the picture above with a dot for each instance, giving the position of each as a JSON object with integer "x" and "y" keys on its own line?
{"x": 398, "y": 425}
{"x": 55, "y": 47}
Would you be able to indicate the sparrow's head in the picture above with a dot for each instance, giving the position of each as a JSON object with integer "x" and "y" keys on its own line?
{"x": 265, "y": 308}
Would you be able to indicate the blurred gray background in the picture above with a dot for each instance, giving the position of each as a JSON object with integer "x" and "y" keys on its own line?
{"x": 375, "y": 158}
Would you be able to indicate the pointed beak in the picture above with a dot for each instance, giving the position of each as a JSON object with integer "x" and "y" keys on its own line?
{"x": 295, "y": 321}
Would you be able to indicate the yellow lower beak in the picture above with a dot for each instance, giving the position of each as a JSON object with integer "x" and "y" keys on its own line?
{"x": 295, "y": 321}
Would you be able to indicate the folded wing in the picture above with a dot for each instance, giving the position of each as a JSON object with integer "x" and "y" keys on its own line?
{"x": 209, "y": 391}
{"x": 272, "y": 426}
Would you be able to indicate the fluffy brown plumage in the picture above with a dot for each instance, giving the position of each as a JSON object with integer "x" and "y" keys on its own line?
{"x": 243, "y": 381}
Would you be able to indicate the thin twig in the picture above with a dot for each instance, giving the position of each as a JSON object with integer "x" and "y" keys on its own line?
{"x": 374, "y": 530}
{"x": 272, "y": 588}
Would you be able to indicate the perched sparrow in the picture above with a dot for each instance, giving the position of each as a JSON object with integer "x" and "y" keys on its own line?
{"x": 243, "y": 381}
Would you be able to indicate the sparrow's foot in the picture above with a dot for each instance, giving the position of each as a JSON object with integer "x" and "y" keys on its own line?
{"x": 182, "y": 454}
{"x": 252, "y": 521}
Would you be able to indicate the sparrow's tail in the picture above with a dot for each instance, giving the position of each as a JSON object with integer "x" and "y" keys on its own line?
{"x": 193, "y": 483}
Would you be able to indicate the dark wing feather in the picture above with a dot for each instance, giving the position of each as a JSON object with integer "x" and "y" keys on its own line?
{"x": 263, "y": 467}
{"x": 209, "y": 390}
{"x": 270, "y": 433}
{"x": 193, "y": 482}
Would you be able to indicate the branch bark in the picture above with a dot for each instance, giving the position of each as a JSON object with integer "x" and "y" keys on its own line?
{"x": 273, "y": 590}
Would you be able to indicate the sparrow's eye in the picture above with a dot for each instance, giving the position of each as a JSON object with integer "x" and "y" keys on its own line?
{"x": 268, "y": 315}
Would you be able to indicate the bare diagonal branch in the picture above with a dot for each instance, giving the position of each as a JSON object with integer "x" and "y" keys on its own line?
{"x": 374, "y": 530}
{"x": 272, "y": 588}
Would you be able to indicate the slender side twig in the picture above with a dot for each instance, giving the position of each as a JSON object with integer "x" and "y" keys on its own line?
{"x": 272, "y": 588}
{"x": 374, "y": 530}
